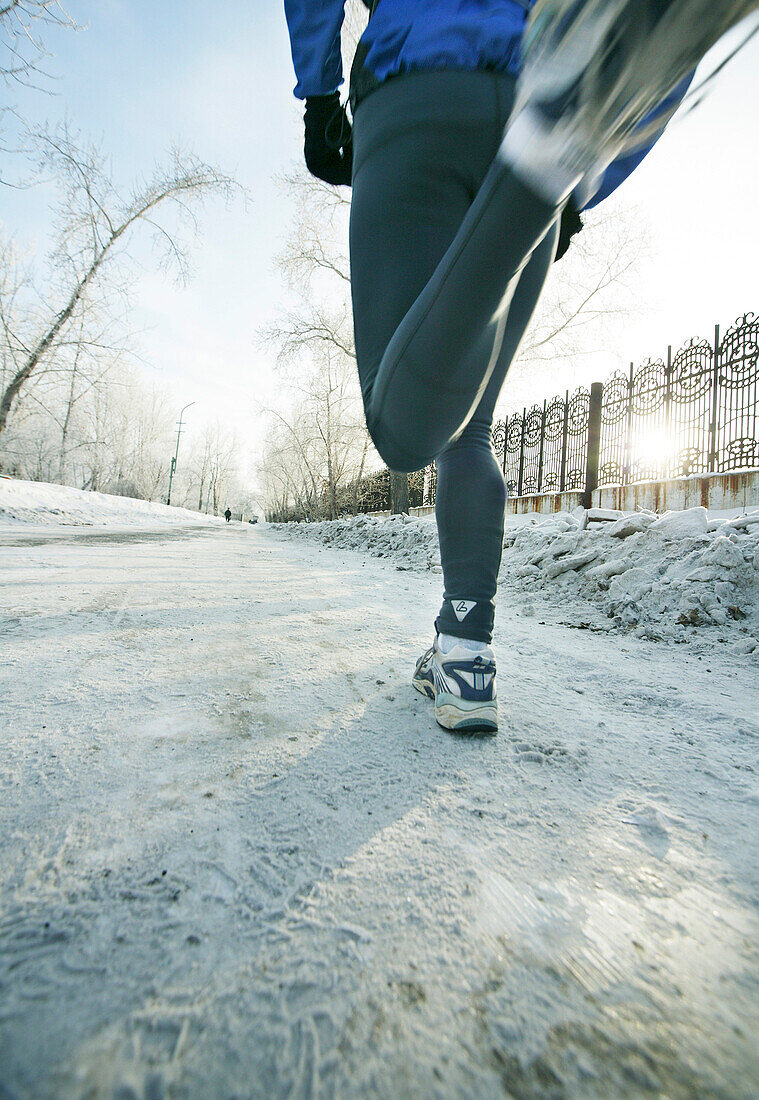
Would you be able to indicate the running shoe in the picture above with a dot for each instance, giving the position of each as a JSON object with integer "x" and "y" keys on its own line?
{"x": 462, "y": 685}
{"x": 594, "y": 71}
{"x": 423, "y": 679}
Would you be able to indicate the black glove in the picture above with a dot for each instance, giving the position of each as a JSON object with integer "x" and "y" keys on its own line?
{"x": 329, "y": 144}
{"x": 571, "y": 223}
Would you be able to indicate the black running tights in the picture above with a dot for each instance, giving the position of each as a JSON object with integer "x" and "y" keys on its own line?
{"x": 435, "y": 338}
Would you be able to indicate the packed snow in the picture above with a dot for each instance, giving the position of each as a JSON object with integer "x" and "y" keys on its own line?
{"x": 37, "y": 502}
{"x": 240, "y": 859}
{"x": 662, "y": 577}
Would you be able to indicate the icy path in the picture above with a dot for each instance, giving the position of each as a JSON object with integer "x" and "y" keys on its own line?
{"x": 239, "y": 859}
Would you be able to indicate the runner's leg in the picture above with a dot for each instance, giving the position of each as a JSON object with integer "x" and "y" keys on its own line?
{"x": 470, "y": 496}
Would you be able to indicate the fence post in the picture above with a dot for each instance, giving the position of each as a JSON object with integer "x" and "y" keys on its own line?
{"x": 399, "y": 495}
{"x": 628, "y": 437}
{"x": 505, "y": 441}
{"x": 542, "y": 445}
{"x": 712, "y": 464}
{"x": 564, "y": 445}
{"x": 671, "y": 468}
{"x": 520, "y": 478}
{"x": 594, "y": 442}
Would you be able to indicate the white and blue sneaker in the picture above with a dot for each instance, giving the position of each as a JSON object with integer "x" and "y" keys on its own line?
{"x": 462, "y": 684}
{"x": 593, "y": 71}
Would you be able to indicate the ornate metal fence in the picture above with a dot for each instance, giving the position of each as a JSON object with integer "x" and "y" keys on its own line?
{"x": 544, "y": 449}
{"x": 696, "y": 412}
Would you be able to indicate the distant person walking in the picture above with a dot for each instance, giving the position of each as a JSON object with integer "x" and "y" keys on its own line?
{"x": 228, "y": 515}
{"x": 480, "y": 131}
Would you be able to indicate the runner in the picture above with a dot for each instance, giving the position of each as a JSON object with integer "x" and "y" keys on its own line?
{"x": 473, "y": 148}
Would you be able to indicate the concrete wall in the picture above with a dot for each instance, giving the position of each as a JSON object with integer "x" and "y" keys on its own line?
{"x": 544, "y": 502}
{"x": 716, "y": 491}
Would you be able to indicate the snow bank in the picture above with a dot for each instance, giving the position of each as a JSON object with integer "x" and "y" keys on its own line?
{"x": 664, "y": 577}
{"x": 49, "y": 505}
{"x": 409, "y": 541}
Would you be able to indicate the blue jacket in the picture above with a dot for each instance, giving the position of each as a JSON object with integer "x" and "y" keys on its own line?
{"x": 409, "y": 35}
{"x": 405, "y": 35}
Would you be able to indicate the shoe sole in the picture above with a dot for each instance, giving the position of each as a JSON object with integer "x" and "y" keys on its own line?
{"x": 657, "y": 55}
{"x": 462, "y": 716}
{"x": 424, "y": 688}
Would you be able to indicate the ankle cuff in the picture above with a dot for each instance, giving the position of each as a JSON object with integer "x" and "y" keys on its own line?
{"x": 466, "y": 618}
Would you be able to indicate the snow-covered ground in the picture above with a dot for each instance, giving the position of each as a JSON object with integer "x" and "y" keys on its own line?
{"x": 240, "y": 859}
{"x": 36, "y": 502}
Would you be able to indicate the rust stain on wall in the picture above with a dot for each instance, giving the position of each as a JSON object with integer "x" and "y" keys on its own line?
{"x": 738, "y": 489}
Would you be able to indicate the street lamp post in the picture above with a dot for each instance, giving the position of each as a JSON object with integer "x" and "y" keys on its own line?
{"x": 173, "y": 466}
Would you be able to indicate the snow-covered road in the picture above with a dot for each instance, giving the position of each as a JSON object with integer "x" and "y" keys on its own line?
{"x": 239, "y": 858}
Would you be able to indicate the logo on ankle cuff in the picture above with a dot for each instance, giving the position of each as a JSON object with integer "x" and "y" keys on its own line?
{"x": 461, "y": 608}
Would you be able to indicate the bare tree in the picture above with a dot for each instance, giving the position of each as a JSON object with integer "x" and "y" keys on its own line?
{"x": 56, "y": 397}
{"x": 103, "y": 426}
{"x": 95, "y": 225}
{"x": 589, "y": 297}
{"x": 141, "y": 434}
{"x": 330, "y": 444}
{"x": 290, "y": 446}
{"x": 86, "y": 371}
{"x": 326, "y": 425}
{"x": 291, "y": 485}
{"x": 198, "y": 472}
{"x": 24, "y": 28}
{"x": 333, "y": 414}
{"x": 222, "y": 470}
{"x": 210, "y": 475}
{"x": 15, "y": 289}
{"x": 23, "y": 24}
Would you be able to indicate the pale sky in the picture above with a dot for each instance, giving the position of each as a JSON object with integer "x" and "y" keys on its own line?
{"x": 218, "y": 79}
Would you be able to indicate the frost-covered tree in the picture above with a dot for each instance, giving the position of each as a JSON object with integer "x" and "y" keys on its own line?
{"x": 209, "y": 477}
{"x": 96, "y": 224}
{"x": 589, "y": 296}
{"x": 23, "y": 27}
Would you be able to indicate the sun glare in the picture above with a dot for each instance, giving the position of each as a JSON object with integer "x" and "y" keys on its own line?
{"x": 653, "y": 448}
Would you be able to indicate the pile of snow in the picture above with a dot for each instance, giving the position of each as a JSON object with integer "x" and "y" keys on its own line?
{"x": 37, "y": 502}
{"x": 410, "y": 542}
{"x": 664, "y": 577}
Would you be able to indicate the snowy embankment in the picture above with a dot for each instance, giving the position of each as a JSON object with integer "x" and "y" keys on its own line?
{"x": 38, "y": 503}
{"x": 666, "y": 577}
